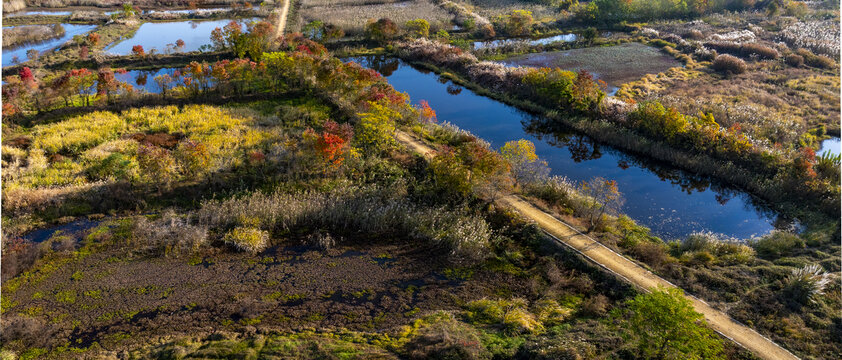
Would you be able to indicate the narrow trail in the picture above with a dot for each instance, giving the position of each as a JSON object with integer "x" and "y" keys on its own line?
{"x": 282, "y": 19}
{"x": 625, "y": 268}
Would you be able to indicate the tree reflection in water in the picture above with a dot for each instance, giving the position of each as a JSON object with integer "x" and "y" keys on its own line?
{"x": 584, "y": 148}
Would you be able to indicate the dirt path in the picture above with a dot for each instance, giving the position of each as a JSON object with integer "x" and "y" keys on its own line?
{"x": 628, "y": 270}
{"x": 282, "y": 19}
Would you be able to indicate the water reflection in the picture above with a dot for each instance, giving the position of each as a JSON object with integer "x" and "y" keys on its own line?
{"x": 161, "y": 35}
{"x": 672, "y": 202}
{"x": 17, "y": 54}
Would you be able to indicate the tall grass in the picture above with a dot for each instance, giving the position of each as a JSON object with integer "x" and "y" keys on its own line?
{"x": 371, "y": 210}
{"x": 27, "y": 34}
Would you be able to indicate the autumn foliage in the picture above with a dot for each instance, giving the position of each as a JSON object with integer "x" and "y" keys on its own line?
{"x": 332, "y": 144}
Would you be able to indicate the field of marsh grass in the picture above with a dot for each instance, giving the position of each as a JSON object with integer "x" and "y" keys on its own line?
{"x": 20, "y": 35}
{"x": 352, "y": 16}
{"x": 615, "y": 65}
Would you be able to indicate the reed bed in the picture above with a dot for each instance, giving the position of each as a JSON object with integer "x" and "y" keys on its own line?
{"x": 29, "y": 34}
{"x": 353, "y": 18}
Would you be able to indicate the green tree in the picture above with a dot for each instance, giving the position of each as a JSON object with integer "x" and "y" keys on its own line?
{"x": 518, "y": 23}
{"x": 418, "y": 28}
{"x": 590, "y": 35}
{"x": 664, "y": 325}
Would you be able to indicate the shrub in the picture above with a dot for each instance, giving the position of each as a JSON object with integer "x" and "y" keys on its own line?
{"x": 777, "y": 244}
{"x": 794, "y": 60}
{"x": 556, "y": 191}
{"x": 517, "y": 23}
{"x": 663, "y": 325}
{"x": 171, "y": 235}
{"x": 819, "y": 61}
{"x": 381, "y": 30}
{"x": 137, "y": 50}
{"x": 418, "y": 28}
{"x": 247, "y": 239}
{"x": 596, "y": 305}
{"x": 805, "y": 284}
{"x": 694, "y": 35}
{"x": 729, "y": 64}
{"x": 760, "y": 50}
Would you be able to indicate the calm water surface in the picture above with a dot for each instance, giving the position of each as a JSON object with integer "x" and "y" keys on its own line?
{"x": 673, "y": 203}
{"x": 160, "y": 34}
{"x": 70, "y": 30}
{"x": 832, "y": 145}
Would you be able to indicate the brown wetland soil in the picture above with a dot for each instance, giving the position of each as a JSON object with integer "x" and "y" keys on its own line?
{"x": 112, "y": 299}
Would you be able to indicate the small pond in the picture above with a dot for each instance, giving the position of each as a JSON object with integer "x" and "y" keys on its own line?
{"x": 672, "y": 202}
{"x": 19, "y": 52}
{"x": 832, "y": 146}
{"x": 157, "y": 35}
{"x": 616, "y": 65}
{"x": 541, "y": 41}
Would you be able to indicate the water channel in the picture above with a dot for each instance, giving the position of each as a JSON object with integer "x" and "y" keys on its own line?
{"x": 673, "y": 203}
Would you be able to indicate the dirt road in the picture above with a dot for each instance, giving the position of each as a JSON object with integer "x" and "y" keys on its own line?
{"x": 628, "y": 270}
{"x": 282, "y": 19}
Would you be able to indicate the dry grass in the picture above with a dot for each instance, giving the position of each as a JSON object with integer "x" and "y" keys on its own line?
{"x": 352, "y": 16}
{"x": 493, "y": 8}
{"x": 26, "y": 34}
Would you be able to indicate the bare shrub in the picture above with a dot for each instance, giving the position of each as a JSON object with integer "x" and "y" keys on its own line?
{"x": 653, "y": 254}
{"x": 171, "y": 234}
{"x": 597, "y": 305}
{"x": 18, "y": 256}
{"x": 30, "y": 331}
{"x": 729, "y": 64}
{"x": 321, "y": 240}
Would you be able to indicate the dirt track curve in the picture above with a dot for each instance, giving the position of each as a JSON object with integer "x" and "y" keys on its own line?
{"x": 628, "y": 270}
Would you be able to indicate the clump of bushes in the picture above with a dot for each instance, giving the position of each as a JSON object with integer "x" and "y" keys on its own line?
{"x": 729, "y": 64}
{"x": 744, "y": 49}
{"x": 247, "y": 239}
{"x": 819, "y": 61}
{"x": 707, "y": 248}
{"x": 170, "y": 234}
{"x": 777, "y": 244}
{"x": 794, "y": 60}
